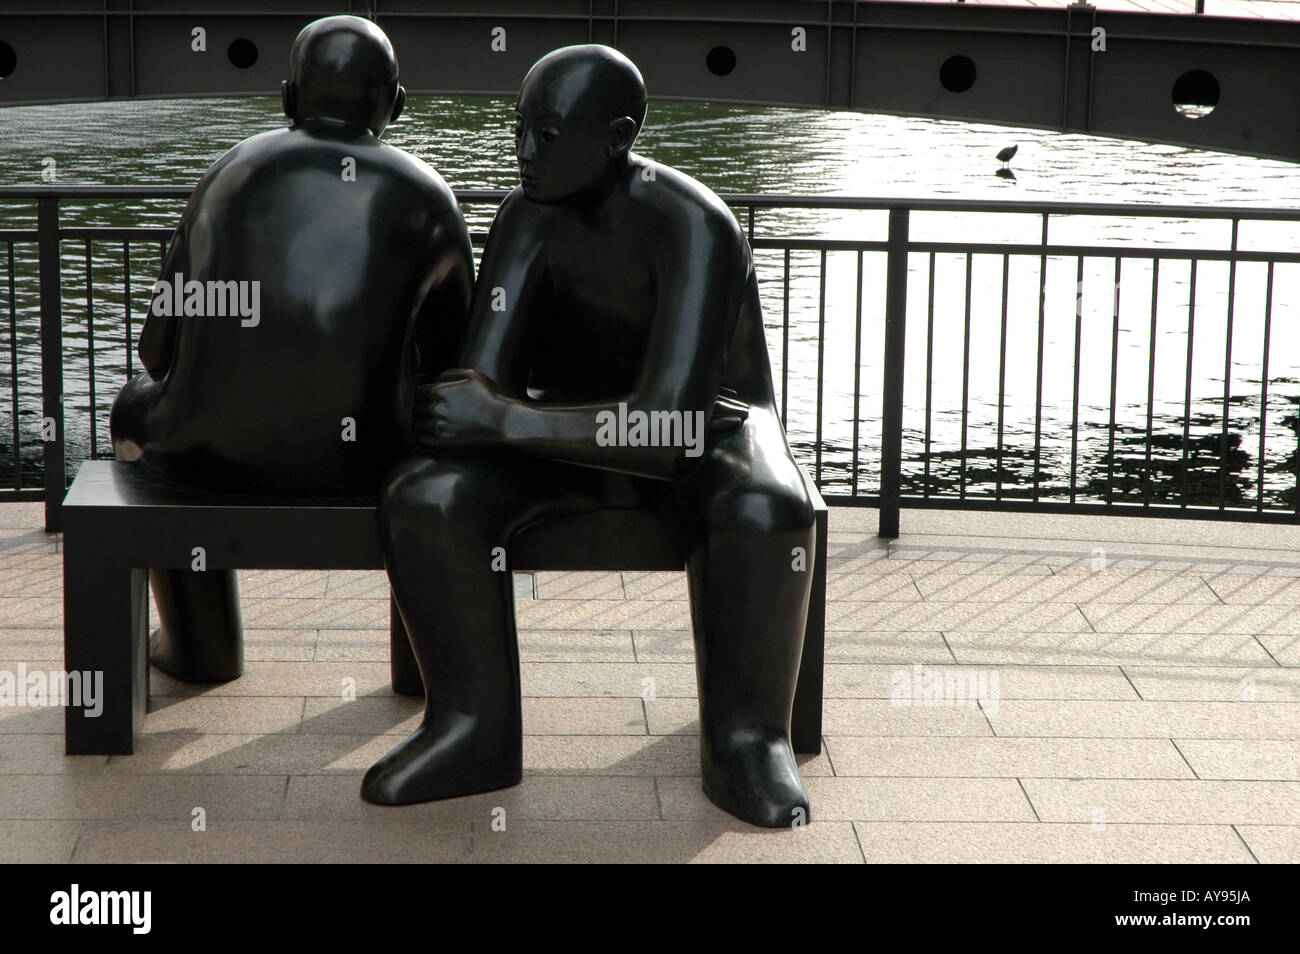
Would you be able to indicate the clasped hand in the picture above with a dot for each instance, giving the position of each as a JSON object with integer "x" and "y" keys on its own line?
{"x": 464, "y": 409}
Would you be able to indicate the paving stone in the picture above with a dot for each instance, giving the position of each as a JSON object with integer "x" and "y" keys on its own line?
{"x": 711, "y": 841}
{"x": 637, "y": 680}
{"x": 576, "y": 645}
{"x": 136, "y": 797}
{"x": 1001, "y": 843}
{"x": 1145, "y": 720}
{"x": 277, "y": 678}
{"x": 653, "y": 585}
{"x": 537, "y": 797}
{"x": 391, "y": 839}
{"x": 604, "y": 614}
{"x": 1268, "y": 759}
{"x": 1160, "y": 801}
{"x": 43, "y": 755}
{"x": 863, "y": 799}
{"x": 573, "y": 585}
{"x": 1005, "y": 758}
{"x": 1272, "y": 844}
{"x": 282, "y": 754}
{"x": 883, "y": 681}
{"x": 37, "y": 842}
{"x": 1216, "y": 684}
{"x": 222, "y": 714}
{"x": 1041, "y": 648}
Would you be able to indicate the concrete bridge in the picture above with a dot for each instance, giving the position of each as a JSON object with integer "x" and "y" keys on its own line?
{"x": 1226, "y": 83}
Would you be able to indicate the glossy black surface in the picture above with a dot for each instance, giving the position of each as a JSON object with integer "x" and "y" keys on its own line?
{"x": 358, "y": 250}
{"x": 607, "y": 280}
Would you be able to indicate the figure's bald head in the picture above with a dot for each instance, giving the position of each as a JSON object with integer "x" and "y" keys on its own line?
{"x": 588, "y": 82}
{"x": 343, "y": 69}
{"x": 579, "y": 111}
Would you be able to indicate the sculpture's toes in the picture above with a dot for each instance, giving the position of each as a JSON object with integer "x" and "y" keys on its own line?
{"x": 753, "y": 776}
{"x": 438, "y": 762}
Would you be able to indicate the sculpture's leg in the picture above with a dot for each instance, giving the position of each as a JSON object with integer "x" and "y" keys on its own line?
{"x": 200, "y": 637}
{"x": 444, "y": 525}
{"x": 750, "y": 576}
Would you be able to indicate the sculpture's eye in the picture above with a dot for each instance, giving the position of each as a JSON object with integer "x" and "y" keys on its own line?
{"x": 550, "y": 134}
{"x": 519, "y": 130}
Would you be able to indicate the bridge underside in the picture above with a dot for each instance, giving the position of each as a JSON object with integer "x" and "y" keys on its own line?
{"x": 1078, "y": 69}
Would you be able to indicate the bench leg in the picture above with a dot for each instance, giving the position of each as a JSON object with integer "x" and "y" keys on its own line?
{"x": 105, "y": 634}
{"x": 806, "y": 719}
{"x": 405, "y": 670}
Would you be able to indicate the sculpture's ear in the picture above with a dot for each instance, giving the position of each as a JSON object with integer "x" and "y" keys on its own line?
{"x": 289, "y": 97}
{"x": 622, "y": 133}
{"x": 398, "y": 103}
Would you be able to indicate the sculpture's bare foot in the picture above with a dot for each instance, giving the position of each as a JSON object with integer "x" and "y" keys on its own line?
{"x": 211, "y": 663}
{"x": 752, "y": 775}
{"x": 445, "y": 758}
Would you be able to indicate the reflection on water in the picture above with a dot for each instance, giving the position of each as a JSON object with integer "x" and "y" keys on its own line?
{"x": 764, "y": 150}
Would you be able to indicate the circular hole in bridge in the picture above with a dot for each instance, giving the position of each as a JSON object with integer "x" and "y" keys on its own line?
{"x": 242, "y": 53}
{"x": 721, "y": 60}
{"x": 8, "y": 59}
{"x": 1195, "y": 94}
{"x": 957, "y": 73}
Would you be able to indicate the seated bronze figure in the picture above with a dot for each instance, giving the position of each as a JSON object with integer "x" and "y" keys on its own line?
{"x": 279, "y": 345}
{"x": 614, "y": 357}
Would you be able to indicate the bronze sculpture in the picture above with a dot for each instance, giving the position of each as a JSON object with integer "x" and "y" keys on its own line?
{"x": 278, "y": 348}
{"x": 614, "y": 357}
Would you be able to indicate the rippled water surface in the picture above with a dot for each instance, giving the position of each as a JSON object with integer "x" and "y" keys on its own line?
{"x": 735, "y": 149}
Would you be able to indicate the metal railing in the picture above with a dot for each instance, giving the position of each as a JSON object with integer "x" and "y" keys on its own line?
{"x": 1203, "y": 475}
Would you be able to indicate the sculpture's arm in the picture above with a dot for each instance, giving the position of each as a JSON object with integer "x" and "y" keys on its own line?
{"x": 440, "y": 322}
{"x": 158, "y": 335}
{"x": 697, "y": 278}
{"x": 509, "y": 290}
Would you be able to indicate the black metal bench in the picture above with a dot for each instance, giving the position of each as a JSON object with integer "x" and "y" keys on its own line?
{"x": 119, "y": 522}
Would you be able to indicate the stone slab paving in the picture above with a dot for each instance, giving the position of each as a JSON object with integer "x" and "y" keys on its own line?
{"x": 998, "y": 689}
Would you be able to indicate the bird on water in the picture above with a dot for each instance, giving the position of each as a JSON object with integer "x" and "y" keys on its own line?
{"x": 1007, "y": 154}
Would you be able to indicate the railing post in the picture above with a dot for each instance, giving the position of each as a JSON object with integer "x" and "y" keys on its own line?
{"x": 47, "y": 229}
{"x": 891, "y": 414}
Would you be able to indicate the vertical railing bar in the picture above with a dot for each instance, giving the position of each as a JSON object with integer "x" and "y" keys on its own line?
{"x": 891, "y": 417}
{"x": 751, "y": 225}
{"x": 1114, "y": 384}
{"x": 51, "y": 295}
{"x": 13, "y": 370}
{"x": 821, "y": 353}
{"x": 126, "y": 276}
{"x": 90, "y": 349}
{"x": 1078, "y": 340}
{"x": 1263, "y": 382}
{"x": 1038, "y": 390}
{"x": 1002, "y": 374}
{"x": 1227, "y": 369}
{"x": 1151, "y": 377}
{"x": 965, "y": 382}
{"x": 929, "y": 372}
{"x": 785, "y": 344}
{"x": 857, "y": 375}
{"x": 1187, "y": 388}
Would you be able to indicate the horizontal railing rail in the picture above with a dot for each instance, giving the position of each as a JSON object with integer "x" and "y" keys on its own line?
{"x": 1186, "y": 456}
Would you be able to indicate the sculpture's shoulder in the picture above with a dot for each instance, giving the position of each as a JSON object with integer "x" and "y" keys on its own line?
{"x": 416, "y": 174}
{"x": 684, "y": 205}
{"x": 523, "y": 220}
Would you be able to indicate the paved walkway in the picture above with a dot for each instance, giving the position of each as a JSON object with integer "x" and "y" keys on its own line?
{"x": 998, "y": 689}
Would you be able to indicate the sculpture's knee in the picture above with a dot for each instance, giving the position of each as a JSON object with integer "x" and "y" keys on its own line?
{"x": 127, "y": 419}
{"x": 436, "y": 502}
{"x": 757, "y": 513}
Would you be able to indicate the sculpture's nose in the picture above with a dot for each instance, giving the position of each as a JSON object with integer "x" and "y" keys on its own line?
{"x": 526, "y": 151}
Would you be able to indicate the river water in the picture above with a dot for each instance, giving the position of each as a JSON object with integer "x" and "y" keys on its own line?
{"x": 805, "y": 152}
